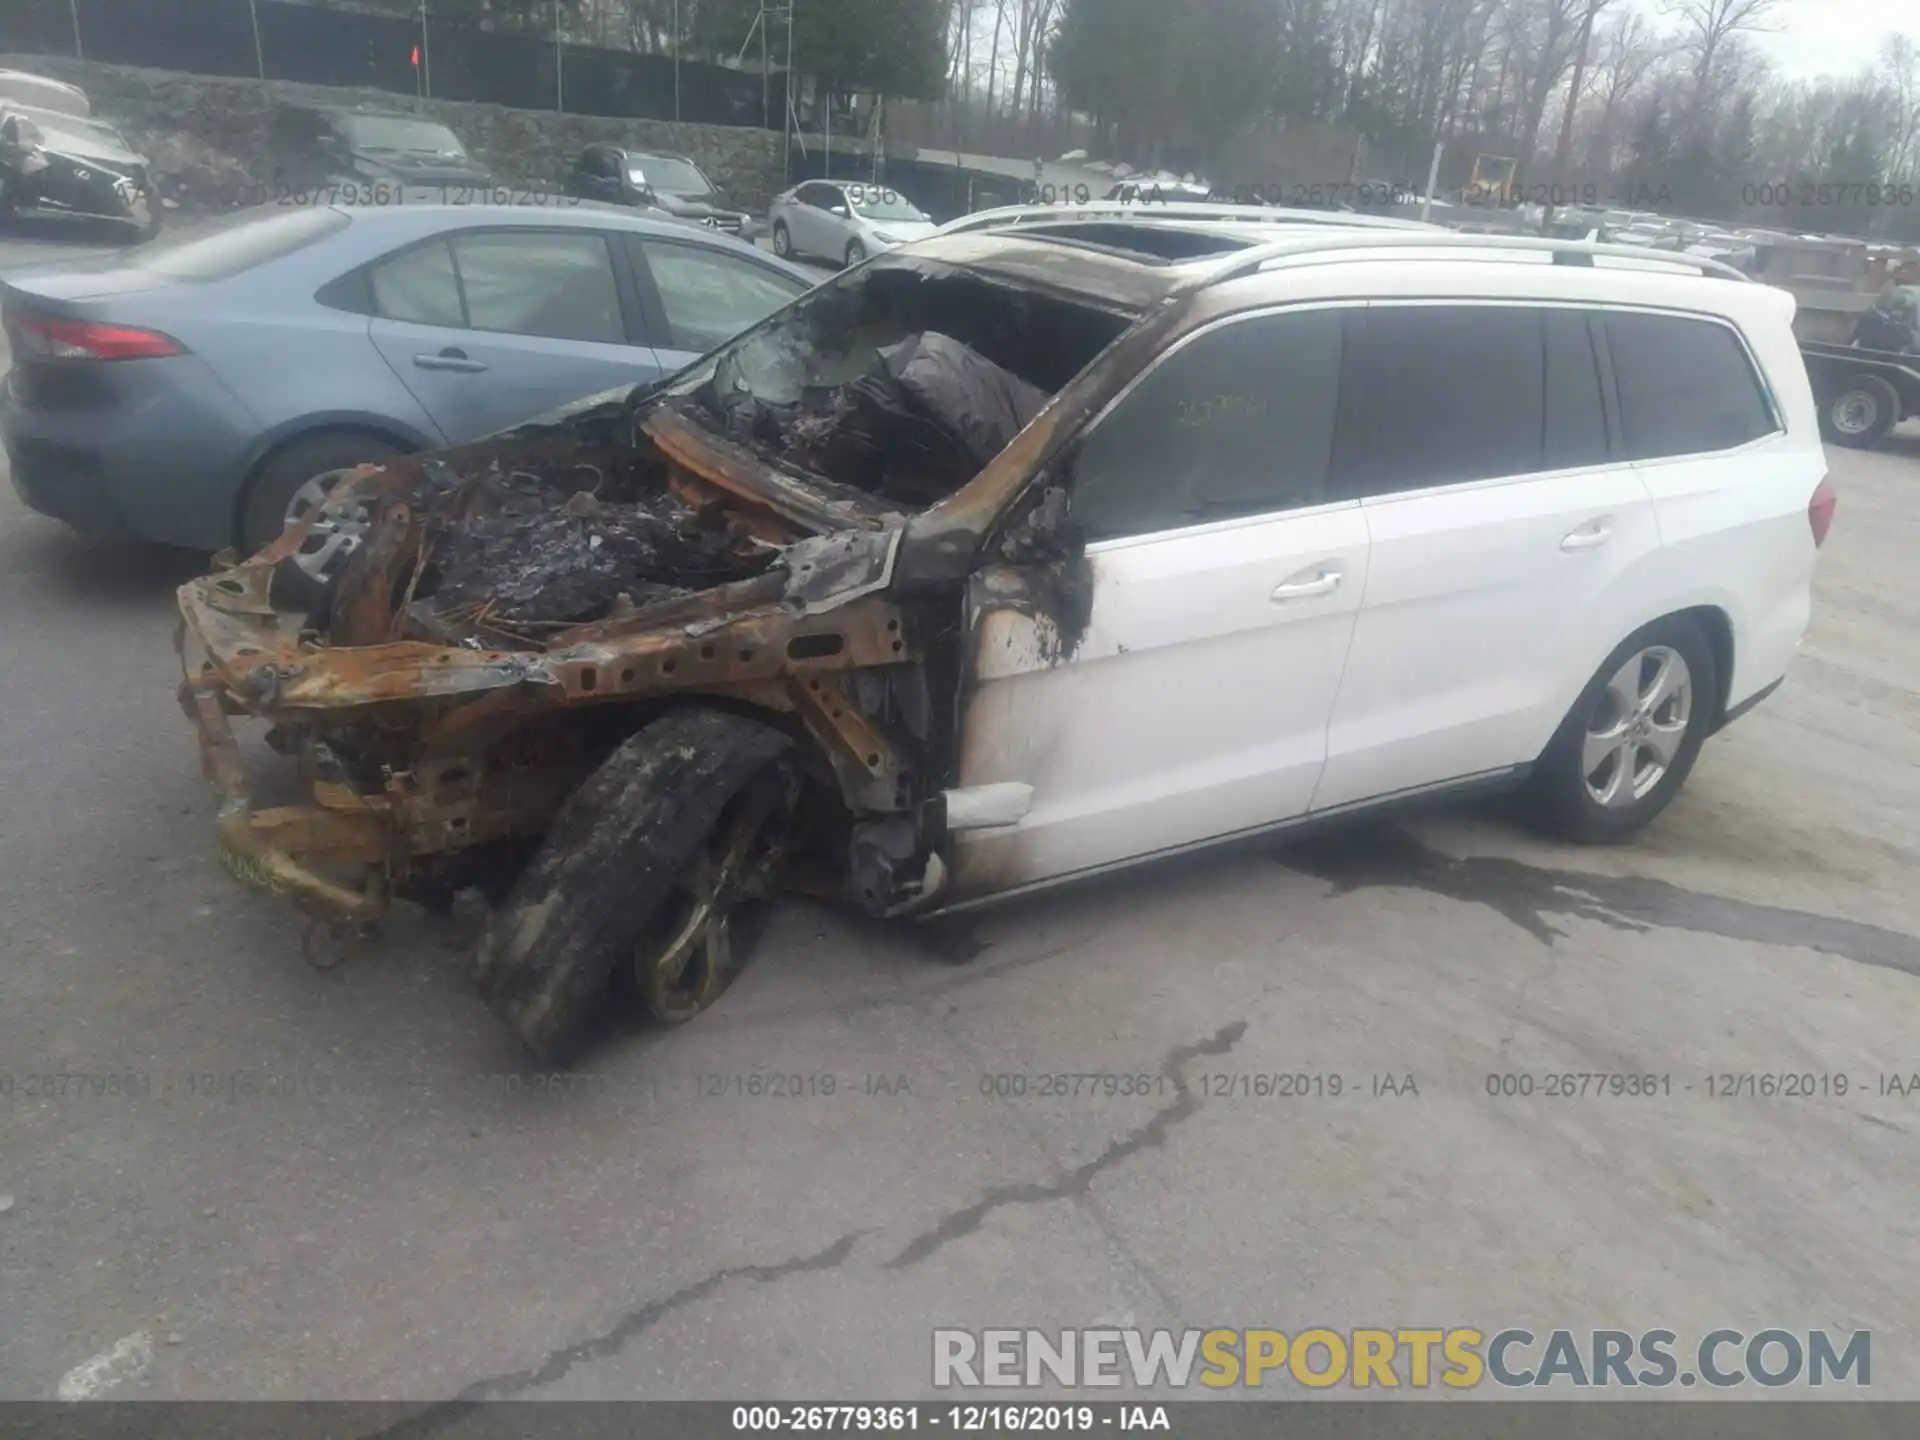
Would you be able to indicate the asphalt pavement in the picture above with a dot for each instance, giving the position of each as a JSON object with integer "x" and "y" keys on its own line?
{"x": 350, "y": 1184}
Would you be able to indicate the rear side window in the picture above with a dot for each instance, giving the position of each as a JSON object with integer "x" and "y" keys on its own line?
{"x": 233, "y": 243}
{"x": 1437, "y": 395}
{"x": 1238, "y": 422}
{"x": 418, "y": 286}
{"x": 1686, "y": 386}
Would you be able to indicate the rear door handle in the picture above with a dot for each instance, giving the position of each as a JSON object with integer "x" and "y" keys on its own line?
{"x": 450, "y": 359}
{"x": 1594, "y": 532}
{"x": 1324, "y": 582}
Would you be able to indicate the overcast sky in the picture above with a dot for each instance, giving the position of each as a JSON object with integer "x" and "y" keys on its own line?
{"x": 1833, "y": 37}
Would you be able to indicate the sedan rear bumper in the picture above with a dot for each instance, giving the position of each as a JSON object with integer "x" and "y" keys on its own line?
{"x": 128, "y": 449}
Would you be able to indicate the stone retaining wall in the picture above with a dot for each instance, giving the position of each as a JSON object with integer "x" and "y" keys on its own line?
{"x": 207, "y": 135}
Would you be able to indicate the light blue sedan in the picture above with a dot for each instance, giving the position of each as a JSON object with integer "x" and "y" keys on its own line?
{"x": 195, "y": 391}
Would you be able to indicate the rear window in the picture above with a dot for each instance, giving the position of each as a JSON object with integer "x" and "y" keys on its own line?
{"x": 1438, "y": 395}
{"x": 1686, "y": 386}
{"x": 234, "y": 243}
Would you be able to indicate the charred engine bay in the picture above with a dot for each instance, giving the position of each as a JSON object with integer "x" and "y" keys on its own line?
{"x": 510, "y": 555}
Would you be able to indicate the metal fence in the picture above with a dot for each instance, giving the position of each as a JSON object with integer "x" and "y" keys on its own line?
{"x": 279, "y": 40}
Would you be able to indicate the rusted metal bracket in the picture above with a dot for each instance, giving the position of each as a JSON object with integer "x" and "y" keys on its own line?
{"x": 872, "y": 775}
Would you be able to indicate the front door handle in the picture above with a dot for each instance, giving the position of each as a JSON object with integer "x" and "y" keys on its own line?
{"x": 1324, "y": 582}
{"x": 1594, "y": 532}
{"x": 450, "y": 359}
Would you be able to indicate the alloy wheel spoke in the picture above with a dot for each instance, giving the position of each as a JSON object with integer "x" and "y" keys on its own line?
{"x": 1618, "y": 789}
{"x": 1623, "y": 690}
{"x": 1664, "y": 741}
{"x": 1669, "y": 682}
{"x": 1600, "y": 745}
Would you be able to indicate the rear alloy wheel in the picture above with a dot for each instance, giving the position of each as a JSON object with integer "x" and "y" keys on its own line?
{"x": 651, "y": 886}
{"x": 1861, "y": 412}
{"x": 856, "y": 252}
{"x": 782, "y": 240}
{"x": 1630, "y": 741}
{"x": 293, "y": 483}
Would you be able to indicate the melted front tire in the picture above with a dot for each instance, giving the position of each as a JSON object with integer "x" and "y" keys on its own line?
{"x": 645, "y": 884}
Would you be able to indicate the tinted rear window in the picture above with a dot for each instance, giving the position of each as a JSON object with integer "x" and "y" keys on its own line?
{"x": 1686, "y": 386}
{"x": 234, "y": 243}
{"x": 1439, "y": 394}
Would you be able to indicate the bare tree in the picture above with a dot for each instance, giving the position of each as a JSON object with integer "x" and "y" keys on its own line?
{"x": 1899, "y": 67}
{"x": 1582, "y": 44}
{"x": 1628, "y": 51}
{"x": 1709, "y": 25}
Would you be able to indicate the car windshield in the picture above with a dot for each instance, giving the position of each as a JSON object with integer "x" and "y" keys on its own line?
{"x": 876, "y": 202}
{"x": 668, "y": 175}
{"x": 401, "y": 135}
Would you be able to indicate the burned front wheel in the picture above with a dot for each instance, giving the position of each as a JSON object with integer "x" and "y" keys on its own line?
{"x": 701, "y": 938}
{"x": 650, "y": 886}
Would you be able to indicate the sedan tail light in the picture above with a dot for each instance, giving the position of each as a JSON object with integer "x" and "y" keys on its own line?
{"x": 47, "y": 337}
{"x": 1820, "y": 510}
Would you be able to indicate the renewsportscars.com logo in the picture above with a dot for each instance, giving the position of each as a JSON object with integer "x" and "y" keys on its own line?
{"x": 1458, "y": 1358}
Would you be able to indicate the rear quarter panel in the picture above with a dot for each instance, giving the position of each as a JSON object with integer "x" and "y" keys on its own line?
{"x": 1734, "y": 527}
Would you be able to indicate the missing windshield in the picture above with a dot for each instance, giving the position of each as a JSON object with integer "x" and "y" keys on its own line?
{"x": 900, "y": 382}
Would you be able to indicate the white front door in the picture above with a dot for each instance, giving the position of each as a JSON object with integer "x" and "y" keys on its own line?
{"x": 1506, "y": 537}
{"x": 1186, "y": 696}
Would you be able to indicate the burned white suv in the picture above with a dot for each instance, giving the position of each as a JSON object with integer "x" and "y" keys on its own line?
{"x": 1016, "y": 555}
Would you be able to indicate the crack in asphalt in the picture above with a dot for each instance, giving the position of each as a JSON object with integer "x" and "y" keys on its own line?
{"x": 952, "y": 1227}
{"x": 1526, "y": 894}
{"x": 1078, "y": 1180}
{"x": 633, "y": 1323}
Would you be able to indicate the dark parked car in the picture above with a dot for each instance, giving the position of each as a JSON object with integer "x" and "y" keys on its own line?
{"x": 56, "y": 158}
{"x": 671, "y": 183}
{"x": 316, "y": 146}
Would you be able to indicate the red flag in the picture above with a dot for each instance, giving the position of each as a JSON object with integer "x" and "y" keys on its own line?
{"x": 416, "y": 57}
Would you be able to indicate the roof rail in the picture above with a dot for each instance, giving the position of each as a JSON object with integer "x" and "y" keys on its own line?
{"x": 1148, "y": 211}
{"x": 1567, "y": 252}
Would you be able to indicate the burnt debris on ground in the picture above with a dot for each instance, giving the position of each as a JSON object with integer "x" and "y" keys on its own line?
{"x": 515, "y": 551}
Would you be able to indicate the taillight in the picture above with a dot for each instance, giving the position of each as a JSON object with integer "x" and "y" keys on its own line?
{"x": 1820, "y": 510}
{"x": 47, "y": 337}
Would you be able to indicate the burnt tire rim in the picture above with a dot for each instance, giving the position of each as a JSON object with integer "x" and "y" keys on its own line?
{"x": 1856, "y": 412}
{"x": 1637, "y": 727}
{"x": 693, "y": 949}
{"x": 336, "y": 532}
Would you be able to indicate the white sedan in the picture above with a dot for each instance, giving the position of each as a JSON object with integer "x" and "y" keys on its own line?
{"x": 844, "y": 220}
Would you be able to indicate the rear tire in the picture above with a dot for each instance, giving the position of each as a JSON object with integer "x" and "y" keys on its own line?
{"x": 1630, "y": 741}
{"x": 1860, "y": 412}
{"x": 697, "y": 804}
{"x": 782, "y": 240}
{"x": 856, "y": 252}
{"x": 264, "y": 517}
